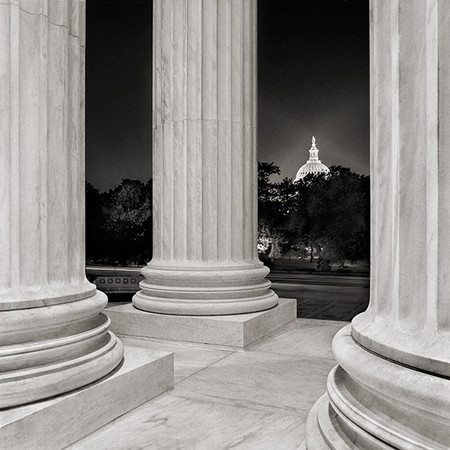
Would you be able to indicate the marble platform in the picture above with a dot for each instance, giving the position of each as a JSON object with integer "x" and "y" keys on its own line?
{"x": 258, "y": 398}
{"x": 64, "y": 419}
{"x": 232, "y": 331}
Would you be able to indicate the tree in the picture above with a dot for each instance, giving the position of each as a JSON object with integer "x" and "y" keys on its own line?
{"x": 330, "y": 212}
{"x": 339, "y": 214}
{"x": 275, "y": 201}
{"x": 119, "y": 223}
{"x": 128, "y": 222}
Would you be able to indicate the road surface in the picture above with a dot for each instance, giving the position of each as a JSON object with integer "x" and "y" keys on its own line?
{"x": 330, "y": 297}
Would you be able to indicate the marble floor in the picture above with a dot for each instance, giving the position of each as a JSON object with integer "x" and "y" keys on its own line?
{"x": 257, "y": 398}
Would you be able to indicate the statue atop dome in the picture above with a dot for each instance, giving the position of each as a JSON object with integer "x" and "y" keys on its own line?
{"x": 313, "y": 165}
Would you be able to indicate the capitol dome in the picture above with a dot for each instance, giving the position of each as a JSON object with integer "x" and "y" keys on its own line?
{"x": 313, "y": 165}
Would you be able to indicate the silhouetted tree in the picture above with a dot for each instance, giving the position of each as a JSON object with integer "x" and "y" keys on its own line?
{"x": 128, "y": 222}
{"x": 326, "y": 211}
{"x": 330, "y": 212}
{"x": 119, "y": 223}
{"x": 275, "y": 202}
{"x": 339, "y": 208}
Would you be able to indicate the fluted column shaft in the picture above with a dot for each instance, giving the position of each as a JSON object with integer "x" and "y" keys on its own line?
{"x": 391, "y": 388}
{"x": 408, "y": 319}
{"x": 53, "y": 338}
{"x": 204, "y": 161}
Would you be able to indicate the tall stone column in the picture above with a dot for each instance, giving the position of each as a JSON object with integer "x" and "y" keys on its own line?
{"x": 392, "y": 386}
{"x": 205, "y": 259}
{"x": 53, "y": 338}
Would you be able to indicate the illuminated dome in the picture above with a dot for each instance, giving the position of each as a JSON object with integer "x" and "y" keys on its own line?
{"x": 313, "y": 165}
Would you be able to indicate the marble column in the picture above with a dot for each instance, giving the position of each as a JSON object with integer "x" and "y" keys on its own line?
{"x": 392, "y": 387}
{"x": 205, "y": 260}
{"x": 53, "y": 338}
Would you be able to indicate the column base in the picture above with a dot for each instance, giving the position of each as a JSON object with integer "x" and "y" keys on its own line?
{"x": 50, "y": 350}
{"x": 205, "y": 291}
{"x": 230, "y": 331}
{"x": 374, "y": 403}
{"x": 63, "y": 420}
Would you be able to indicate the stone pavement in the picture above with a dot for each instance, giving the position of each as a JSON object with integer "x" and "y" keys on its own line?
{"x": 327, "y": 302}
{"x": 256, "y": 398}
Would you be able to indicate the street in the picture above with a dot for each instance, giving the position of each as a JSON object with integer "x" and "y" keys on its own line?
{"x": 329, "y": 297}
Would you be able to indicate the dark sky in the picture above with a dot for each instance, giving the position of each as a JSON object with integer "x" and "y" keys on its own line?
{"x": 313, "y": 72}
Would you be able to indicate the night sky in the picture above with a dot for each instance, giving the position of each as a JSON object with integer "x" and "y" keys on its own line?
{"x": 313, "y": 72}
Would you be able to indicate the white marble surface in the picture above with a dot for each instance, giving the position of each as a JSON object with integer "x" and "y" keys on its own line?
{"x": 392, "y": 385}
{"x": 62, "y": 420}
{"x": 245, "y": 399}
{"x": 237, "y": 330}
{"x": 171, "y": 422}
{"x": 188, "y": 359}
{"x": 42, "y": 158}
{"x": 264, "y": 381}
{"x": 53, "y": 338}
{"x": 205, "y": 259}
{"x": 408, "y": 316}
{"x": 302, "y": 337}
{"x": 387, "y": 404}
{"x": 204, "y": 85}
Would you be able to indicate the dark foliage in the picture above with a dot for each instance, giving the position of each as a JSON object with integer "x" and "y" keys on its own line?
{"x": 330, "y": 213}
{"x": 119, "y": 224}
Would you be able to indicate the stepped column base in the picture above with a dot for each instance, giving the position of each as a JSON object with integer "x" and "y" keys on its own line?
{"x": 375, "y": 403}
{"x": 53, "y": 349}
{"x": 205, "y": 291}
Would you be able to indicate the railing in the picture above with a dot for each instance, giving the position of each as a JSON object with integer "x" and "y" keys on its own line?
{"x": 115, "y": 280}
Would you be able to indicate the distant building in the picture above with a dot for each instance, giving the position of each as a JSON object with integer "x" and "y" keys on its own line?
{"x": 313, "y": 165}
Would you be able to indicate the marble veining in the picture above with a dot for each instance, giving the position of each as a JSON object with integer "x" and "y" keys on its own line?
{"x": 171, "y": 422}
{"x": 263, "y": 381}
{"x": 188, "y": 360}
{"x": 53, "y": 338}
{"x": 243, "y": 399}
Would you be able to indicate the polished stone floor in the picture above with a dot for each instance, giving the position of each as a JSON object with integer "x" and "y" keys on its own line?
{"x": 256, "y": 398}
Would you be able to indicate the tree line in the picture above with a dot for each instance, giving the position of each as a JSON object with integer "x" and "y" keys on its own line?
{"x": 324, "y": 215}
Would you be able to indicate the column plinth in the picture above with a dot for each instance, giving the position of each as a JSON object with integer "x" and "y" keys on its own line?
{"x": 53, "y": 336}
{"x": 205, "y": 260}
{"x": 391, "y": 388}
